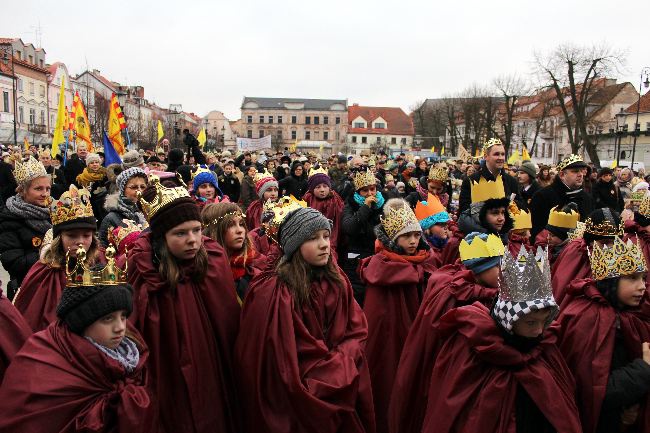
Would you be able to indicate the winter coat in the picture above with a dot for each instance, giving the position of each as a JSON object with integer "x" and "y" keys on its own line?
{"x": 527, "y": 194}
{"x": 229, "y": 185}
{"x": 7, "y": 182}
{"x": 74, "y": 166}
{"x": 57, "y": 177}
{"x": 113, "y": 218}
{"x": 607, "y": 194}
{"x": 293, "y": 185}
{"x": 248, "y": 194}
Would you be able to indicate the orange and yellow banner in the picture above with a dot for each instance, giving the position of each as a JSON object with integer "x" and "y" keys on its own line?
{"x": 116, "y": 124}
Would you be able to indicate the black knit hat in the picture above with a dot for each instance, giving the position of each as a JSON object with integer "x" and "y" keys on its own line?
{"x": 80, "y": 307}
{"x": 495, "y": 203}
{"x": 177, "y": 212}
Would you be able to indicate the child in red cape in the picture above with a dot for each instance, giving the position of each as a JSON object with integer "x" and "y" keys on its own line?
{"x": 205, "y": 187}
{"x": 434, "y": 220}
{"x": 604, "y": 332}
{"x": 13, "y": 333}
{"x": 300, "y": 356}
{"x": 321, "y": 197}
{"x": 559, "y": 230}
{"x": 395, "y": 278}
{"x": 266, "y": 188}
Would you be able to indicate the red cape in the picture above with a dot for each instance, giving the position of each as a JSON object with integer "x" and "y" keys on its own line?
{"x": 14, "y": 331}
{"x": 450, "y": 253}
{"x": 475, "y": 377}
{"x": 572, "y": 264}
{"x": 515, "y": 242}
{"x": 303, "y": 369}
{"x": 332, "y": 208}
{"x": 587, "y": 329}
{"x": 393, "y": 293}
{"x": 191, "y": 334}
{"x": 39, "y": 295}
{"x": 450, "y": 287}
{"x": 254, "y": 214}
{"x": 60, "y": 382}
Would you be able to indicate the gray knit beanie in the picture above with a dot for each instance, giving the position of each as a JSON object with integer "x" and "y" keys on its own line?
{"x": 132, "y": 159}
{"x": 298, "y": 226}
{"x": 127, "y": 174}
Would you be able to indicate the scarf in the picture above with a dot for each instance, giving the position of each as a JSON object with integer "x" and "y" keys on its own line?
{"x": 238, "y": 263}
{"x": 127, "y": 353}
{"x": 437, "y": 242}
{"x": 87, "y": 176}
{"x": 418, "y": 257}
{"x": 361, "y": 200}
{"x": 129, "y": 210}
{"x": 36, "y": 217}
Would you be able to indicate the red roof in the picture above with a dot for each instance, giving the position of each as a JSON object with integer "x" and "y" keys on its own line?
{"x": 644, "y": 105}
{"x": 30, "y": 66}
{"x": 397, "y": 121}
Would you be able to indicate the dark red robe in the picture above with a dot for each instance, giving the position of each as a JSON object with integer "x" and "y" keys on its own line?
{"x": 572, "y": 264}
{"x": 332, "y": 208}
{"x": 14, "y": 331}
{"x": 450, "y": 253}
{"x": 260, "y": 240}
{"x": 303, "y": 368}
{"x": 60, "y": 382}
{"x": 515, "y": 242}
{"x": 39, "y": 295}
{"x": 449, "y": 287}
{"x": 587, "y": 330}
{"x": 475, "y": 378}
{"x": 394, "y": 288}
{"x": 254, "y": 214}
{"x": 191, "y": 333}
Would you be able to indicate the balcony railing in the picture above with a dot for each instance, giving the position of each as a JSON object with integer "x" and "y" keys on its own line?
{"x": 36, "y": 128}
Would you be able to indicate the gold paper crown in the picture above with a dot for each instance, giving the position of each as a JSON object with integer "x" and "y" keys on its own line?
{"x": 398, "y": 219}
{"x": 522, "y": 219}
{"x": 277, "y": 212}
{"x": 28, "y": 170}
{"x": 200, "y": 169}
{"x": 363, "y": 178}
{"x": 565, "y": 220}
{"x": 623, "y": 258}
{"x": 263, "y": 175}
{"x": 578, "y": 231}
{"x": 491, "y": 142}
{"x": 117, "y": 234}
{"x": 486, "y": 189}
{"x": 432, "y": 207}
{"x": 479, "y": 248}
{"x": 82, "y": 275}
{"x": 568, "y": 161}
{"x": 319, "y": 170}
{"x": 605, "y": 228}
{"x": 73, "y": 204}
{"x": 163, "y": 197}
{"x": 644, "y": 207}
{"x": 439, "y": 173}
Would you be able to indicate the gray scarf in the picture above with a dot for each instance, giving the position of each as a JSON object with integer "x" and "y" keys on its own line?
{"x": 130, "y": 210}
{"x": 36, "y": 217}
{"x": 127, "y": 353}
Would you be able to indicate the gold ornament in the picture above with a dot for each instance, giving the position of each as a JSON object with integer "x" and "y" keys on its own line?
{"x": 163, "y": 197}
{"x": 644, "y": 207}
{"x": 263, "y": 175}
{"x": 274, "y": 213}
{"x": 486, "y": 189}
{"x": 73, "y": 204}
{"x": 571, "y": 159}
{"x": 491, "y": 142}
{"x": 28, "y": 170}
{"x": 606, "y": 228}
{"x": 622, "y": 258}
{"x": 439, "y": 173}
{"x": 82, "y": 275}
{"x": 398, "y": 219}
{"x": 578, "y": 232}
{"x": 363, "y": 178}
{"x": 479, "y": 248}
{"x": 319, "y": 170}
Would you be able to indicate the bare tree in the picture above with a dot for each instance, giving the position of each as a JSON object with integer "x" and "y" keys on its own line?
{"x": 573, "y": 72}
{"x": 510, "y": 88}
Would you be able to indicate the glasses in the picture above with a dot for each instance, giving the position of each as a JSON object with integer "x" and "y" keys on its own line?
{"x": 137, "y": 187}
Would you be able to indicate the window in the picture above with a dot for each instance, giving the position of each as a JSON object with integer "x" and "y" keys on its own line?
{"x": 293, "y": 135}
{"x": 326, "y": 135}
{"x": 270, "y": 119}
{"x": 249, "y": 133}
{"x": 359, "y": 125}
{"x": 20, "y": 85}
{"x": 294, "y": 119}
{"x": 261, "y": 119}
{"x": 307, "y": 135}
{"x": 32, "y": 116}
{"x": 5, "y": 102}
{"x": 380, "y": 125}
{"x": 308, "y": 120}
{"x": 393, "y": 140}
{"x": 338, "y": 135}
{"x": 403, "y": 140}
{"x": 337, "y": 120}
{"x": 279, "y": 119}
{"x": 316, "y": 120}
{"x": 31, "y": 88}
{"x": 249, "y": 119}
{"x": 354, "y": 138}
{"x": 326, "y": 120}
{"x": 19, "y": 55}
{"x": 278, "y": 134}
{"x": 647, "y": 126}
{"x": 31, "y": 59}
{"x": 261, "y": 133}
{"x": 42, "y": 91}
{"x": 21, "y": 115}
{"x": 42, "y": 117}
{"x": 378, "y": 140}
{"x": 364, "y": 140}
{"x": 41, "y": 62}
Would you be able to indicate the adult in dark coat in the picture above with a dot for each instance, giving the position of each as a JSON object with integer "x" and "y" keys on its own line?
{"x": 491, "y": 166}
{"x": 605, "y": 192}
{"x": 296, "y": 183}
{"x": 193, "y": 148}
{"x": 566, "y": 188}
{"x": 75, "y": 165}
{"x": 528, "y": 186}
{"x": 229, "y": 183}
{"x": 7, "y": 182}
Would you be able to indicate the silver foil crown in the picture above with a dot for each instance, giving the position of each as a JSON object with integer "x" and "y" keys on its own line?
{"x": 526, "y": 277}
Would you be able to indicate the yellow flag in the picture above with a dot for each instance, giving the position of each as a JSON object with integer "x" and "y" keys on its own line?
{"x": 442, "y": 150}
{"x": 201, "y": 138}
{"x": 433, "y": 149}
{"x": 81, "y": 123}
{"x": 26, "y": 144}
{"x": 58, "y": 138}
{"x": 513, "y": 158}
{"x": 524, "y": 154}
{"x": 161, "y": 132}
{"x": 116, "y": 124}
{"x": 478, "y": 152}
{"x": 613, "y": 165}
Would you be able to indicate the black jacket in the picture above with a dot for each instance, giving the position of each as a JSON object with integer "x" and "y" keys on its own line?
{"x": 59, "y": 185}
{"x": 8, "y": 184}
{"x": 557, "y": 194}
{"x": 229, "y": 185}
{"x": 510, "y": 185}
{"x": 247, "y": 192}
{"x": 19, "y": 245}
{"x": 527, "y": 195}
{"x": 293, "y": 185}
{"x": 73, "y": 168}
{"x": 607, "y": 194}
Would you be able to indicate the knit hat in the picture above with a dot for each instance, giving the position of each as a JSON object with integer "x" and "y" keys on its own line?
{"x": 480, "y": 264}
{"x": 316, "y": 179}
{"x": 604, "y": 171}
{"x": 178, "y": 211}
{"x": 80, "y": 307}
{"x": 206, "y": 177}
{"x": 126, "y": 175}
{"x": 398, "y": 219}
{"x": 131, "y": 159}
{"x": 175, "y": 156}
{"x": 91, "y": 157}
{"x": 264, "y": 181}
{"x": 529, "y": 168}
{"x": 298, "y": 226}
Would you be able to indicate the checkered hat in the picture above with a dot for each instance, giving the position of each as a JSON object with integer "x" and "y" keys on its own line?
{"x": 508, "y": 312}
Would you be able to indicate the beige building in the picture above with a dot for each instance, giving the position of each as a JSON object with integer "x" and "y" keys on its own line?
{"x": 378, "y": 128}
{"x": 311, "y": 124}
{"x": 627, "y": 118}
{"x": 219, "y": 132}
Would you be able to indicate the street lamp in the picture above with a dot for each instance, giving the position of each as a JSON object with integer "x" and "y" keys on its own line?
{"x": 5, "y": 60}
{"x": 223, "y": 137}
{"x": 620, "y": 127}
{"x": 637, "y": 128}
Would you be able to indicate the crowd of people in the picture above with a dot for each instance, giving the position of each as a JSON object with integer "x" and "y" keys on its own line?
{"x": 299, "y": 292}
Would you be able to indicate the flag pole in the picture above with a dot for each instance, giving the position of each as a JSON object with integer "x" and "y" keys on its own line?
{"x": 128, "y": 139}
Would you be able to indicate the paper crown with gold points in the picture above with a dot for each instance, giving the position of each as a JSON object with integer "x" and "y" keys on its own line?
{"x": 605, "y": 228}
{"x": 82, "y": 275}
{"x": 491, "y": 142}
{"x": 565, "y": 220}
{"x": 72, "y": 205}
{"x": 439, "y": 173}
{"x": 522, "y": 219}
{"x": 314, "y": 171}
{"x": 578, "y": 231}
{"x": 24, "y": 171}
{"x": 478, "y": 248}
{"x": 363, "y": 178}
{"x": 486, "y": 189}
{"x": 622, "y": 258}
{"x": 273, "y": 213}
{"x": 262, "y": 175}
{"x": 570, "y": 160}
{"x": 399, "y": 219}
{"x": 163, "y": 197}
{"x": 644, "y": 207}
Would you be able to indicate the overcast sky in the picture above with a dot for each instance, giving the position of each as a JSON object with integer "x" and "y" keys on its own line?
{"x": 207, "y": 55}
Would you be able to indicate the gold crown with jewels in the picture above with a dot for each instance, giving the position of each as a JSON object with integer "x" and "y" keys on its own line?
{"x": 486, "y": 189}
{"x": 605, "y": 228}
{"x": 319, "y": 170}
{"x": 478, "y": 248}
{"x": 622, "y": 258}
{"x": 163, "y": 197}
{"x": 28, "y": 170}
{"x": 491, "y": 142}
{"x": 439, "y": 173}
{"x": 644, "y": 207}
{"x": 397, "y": 219}
{"x": 273, "y": 213}
{"x": 73, "y": 204}
{"x": 82, "y": 275}
{"x": 363, "y": 178}
{"x": 117, "y": 234}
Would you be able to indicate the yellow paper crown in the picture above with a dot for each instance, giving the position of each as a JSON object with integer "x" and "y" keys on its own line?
{"x": 566, "y": 220}
{"x": 491, "y": 142}
{"x": 432, "y": 207}
{"x": 363, "y": 178}
{"x": 479, "y": 248}
{"x": 163, "y": 197}
{"x": 275, "y": 212}
{"x": 263, "y": 175}
{"x": 568, "y": 161}
{"x": 439, "y": 173}
{"x": 487, "y": 189}
{"x": 319, "y": 170}
{"x": 644, "y": 207}
{"x": 28, "y": 170}
{"x": 522, "y": 219}
{"x": 623, "y": 258}
{"x": 82, "y": 275}
{"x": 73, "y": 204}
{"x": 397, "y": 219}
